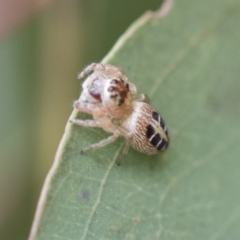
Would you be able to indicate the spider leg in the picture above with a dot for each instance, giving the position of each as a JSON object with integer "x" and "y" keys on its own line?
{"x": 101, "y": 143}
{"x": 91, "y": 108}
{"x": 141, "y": 98}
{"x": 128, "y": 143}
{"x": 90, "y": 123}
{"x": 91, "y": 67}
{"x": 125, "y": 151}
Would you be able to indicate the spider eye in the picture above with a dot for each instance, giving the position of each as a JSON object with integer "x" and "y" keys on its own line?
{"x": 111, "y": 88}
{"x": 95, "y": 91}
{"x": 114, "y": 81}
{"x": 95, "y": 94}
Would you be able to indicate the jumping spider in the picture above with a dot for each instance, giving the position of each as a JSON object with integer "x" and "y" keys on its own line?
{"x": 112, "y": 100}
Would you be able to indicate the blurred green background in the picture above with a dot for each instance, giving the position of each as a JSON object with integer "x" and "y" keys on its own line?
{"x": 43, "y": 45}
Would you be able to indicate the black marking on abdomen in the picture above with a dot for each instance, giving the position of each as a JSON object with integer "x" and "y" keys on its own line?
{"x": 155, "y": 140}
{"x": 162, "y": 123}
{"x": 166, "y": 131}
{"x": 155, "y": 116}
{"x": 150, "y": 131}
{"x": 162, "y": 145}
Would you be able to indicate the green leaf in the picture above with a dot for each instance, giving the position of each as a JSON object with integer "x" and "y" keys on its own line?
{"x": 188, "y": 63}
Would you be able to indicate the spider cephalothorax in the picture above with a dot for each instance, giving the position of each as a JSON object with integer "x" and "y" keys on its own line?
{"x": 101, "y": 77}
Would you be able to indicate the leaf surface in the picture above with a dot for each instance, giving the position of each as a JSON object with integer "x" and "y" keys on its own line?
{"x": 188, "y": 64}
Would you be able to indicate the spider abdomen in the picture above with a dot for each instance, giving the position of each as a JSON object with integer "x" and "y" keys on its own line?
{"x": 149, "y": 133}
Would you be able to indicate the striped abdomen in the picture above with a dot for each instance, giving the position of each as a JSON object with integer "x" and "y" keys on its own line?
{"x": 150, "y": 135}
